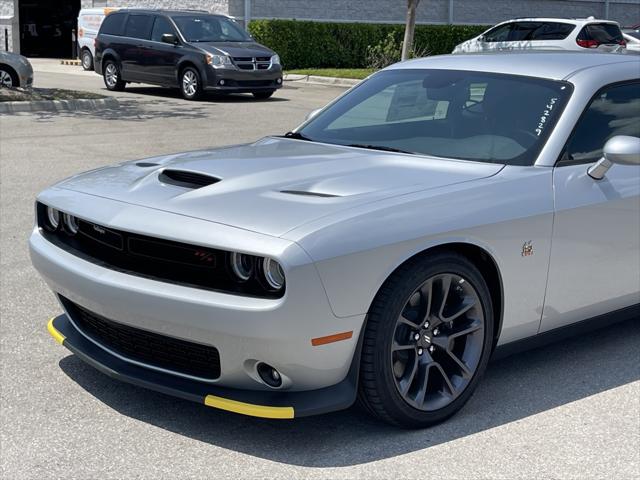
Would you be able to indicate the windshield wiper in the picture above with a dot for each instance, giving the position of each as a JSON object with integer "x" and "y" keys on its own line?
{"x": 297, "y": 136}
{"x": 380, "y": 147}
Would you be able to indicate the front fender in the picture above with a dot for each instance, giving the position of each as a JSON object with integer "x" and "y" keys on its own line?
{"x": 356, "y": 253}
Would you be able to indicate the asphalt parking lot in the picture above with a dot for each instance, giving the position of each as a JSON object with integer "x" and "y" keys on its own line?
{"x": 569, "y": 410}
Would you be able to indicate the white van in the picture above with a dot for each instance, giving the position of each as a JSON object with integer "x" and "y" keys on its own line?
{"x": 89, "y": 21}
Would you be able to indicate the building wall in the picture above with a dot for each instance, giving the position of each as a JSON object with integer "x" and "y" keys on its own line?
{"x": 9, "y": 23}
{"x": 438, "y": 11}
{"x": 214, "y": 6}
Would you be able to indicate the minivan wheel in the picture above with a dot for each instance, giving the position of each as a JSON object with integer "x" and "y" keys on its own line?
{"x": 87, "y": 60}
{"x": 263, "y": 95}
{"x": 190, "y": 84}
{"x": 427, "y": 341}
{"x": 8, "y": 77}
{"x": 112, "y": 78}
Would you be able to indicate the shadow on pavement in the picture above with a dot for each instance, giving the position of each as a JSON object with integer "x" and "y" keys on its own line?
{"x": 513, "y": 388}
{"x": 208, "y": 97}
{"x": 156, "y": 102}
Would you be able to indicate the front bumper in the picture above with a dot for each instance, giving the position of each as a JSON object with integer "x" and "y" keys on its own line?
{"x": 265, "y": 404}
{"x": 243, "y": 81}
{"x": 245, "y": 330}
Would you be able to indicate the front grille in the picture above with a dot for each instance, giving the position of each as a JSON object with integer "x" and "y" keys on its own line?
{"x": 153, "y": 258}
{"x": 149, "y": 348}
{"x": 252, "y": 63}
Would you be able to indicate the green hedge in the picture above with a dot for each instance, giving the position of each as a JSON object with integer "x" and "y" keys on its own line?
{"x": 304, "y": 44}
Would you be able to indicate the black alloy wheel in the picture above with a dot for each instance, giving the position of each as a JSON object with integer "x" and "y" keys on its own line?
{"x": 427, "y": 341}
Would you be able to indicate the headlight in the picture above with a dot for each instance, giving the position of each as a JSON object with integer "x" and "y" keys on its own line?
{"x": 220, "y": 61}
{"x": 275, "y": 60}
{"x": 71, "y": 223}
{"x": 273, "y": 273}
{"x": 53, "y": 218}
{"x": 242, "y": 265}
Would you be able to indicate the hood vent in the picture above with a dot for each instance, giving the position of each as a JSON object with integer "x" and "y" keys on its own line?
{"x": 186, "y": 179}
{"x": 309, "y": 194}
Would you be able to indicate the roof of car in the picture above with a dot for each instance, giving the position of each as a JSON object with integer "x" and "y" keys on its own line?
{"x": 170, "y": 12}
{"x": 548, "y": 64}
{"x": 576, "y": 21}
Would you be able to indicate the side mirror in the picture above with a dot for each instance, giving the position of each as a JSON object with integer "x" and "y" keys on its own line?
{"x": 312, "y": 114}
{"x": 169, "y": 38}
{"x": 480, "y": 38}
{"x": 621, "y": 149}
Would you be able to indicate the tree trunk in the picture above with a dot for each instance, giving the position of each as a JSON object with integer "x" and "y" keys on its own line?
{"x": 407, "y": 45}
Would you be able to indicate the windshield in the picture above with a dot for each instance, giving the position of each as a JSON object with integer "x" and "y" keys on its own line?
{"x": 457, "y": 114}
{"x": 210, "y": 28}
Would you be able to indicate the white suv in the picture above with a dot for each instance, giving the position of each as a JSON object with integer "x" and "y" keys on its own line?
{"x": 547, "y": 34}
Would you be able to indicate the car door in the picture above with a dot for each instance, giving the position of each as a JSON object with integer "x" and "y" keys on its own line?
{"x": 134, "y": 56}
{"x": 595, "y": 256}
{"x": 164, "y": 57}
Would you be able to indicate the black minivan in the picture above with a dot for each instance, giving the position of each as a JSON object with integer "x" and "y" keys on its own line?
{"x": 192, "y": 50}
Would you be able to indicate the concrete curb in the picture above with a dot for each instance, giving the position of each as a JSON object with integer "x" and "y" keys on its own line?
{"x": 317, "y": 80}
{"x": 59, "y": 105}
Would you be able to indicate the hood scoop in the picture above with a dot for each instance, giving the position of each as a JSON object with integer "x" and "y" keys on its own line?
{"x": 309, "y": 194}
{"x": 186, "y": 179}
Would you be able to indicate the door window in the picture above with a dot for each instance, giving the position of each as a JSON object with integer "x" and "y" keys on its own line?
{"x": 160, "y": 27}
{"x": 498, "y": 34}
{"x": 615, "y": 110}
{"x": 113, "y": 24}
{"x": 138, "y": 26}
{"x": 526, "y": 31}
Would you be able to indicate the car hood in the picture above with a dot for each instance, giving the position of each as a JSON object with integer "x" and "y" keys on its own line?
{"x": 236, "y": 49}
{"x": 273, "y": 185}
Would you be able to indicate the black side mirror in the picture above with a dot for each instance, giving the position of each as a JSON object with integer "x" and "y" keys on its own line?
{"x": 169, "y": 38}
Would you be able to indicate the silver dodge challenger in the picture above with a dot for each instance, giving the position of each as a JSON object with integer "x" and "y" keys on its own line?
{"x": 440, "y": 212}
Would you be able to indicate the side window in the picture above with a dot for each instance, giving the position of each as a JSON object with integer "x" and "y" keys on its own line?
{"x": 138, "y": 26}
{"x": 521, "y": 31}
{"x": 498, "y": 34}
{"x": 113, "y": 24}
{"x": 552, "y": 31}
{"x": 160, "y": 27}
{"x": 614, "y": 111}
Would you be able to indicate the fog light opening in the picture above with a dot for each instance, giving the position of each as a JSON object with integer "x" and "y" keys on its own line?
{"x": 279, "y": 81}
{"x": 269, "y": 375}
{"x": 221, "y": 82}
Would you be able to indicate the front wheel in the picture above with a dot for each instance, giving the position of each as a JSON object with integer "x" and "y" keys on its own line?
{"x": 427, "y": 341}
{"x": 190, "y": 84}
{"x": 8, "y": 78}
{"x": 263, "y": 95}
{"x": 112, "y": 78}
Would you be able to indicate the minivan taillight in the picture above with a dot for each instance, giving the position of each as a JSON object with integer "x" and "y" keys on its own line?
{"x": 588, "y": 43}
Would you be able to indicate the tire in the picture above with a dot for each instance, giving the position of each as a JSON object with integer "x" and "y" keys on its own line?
{"x": 263, "y": 95}
{"x": 86, "y": 59}
{"x": 404, "y": 366}
{"x": 112, "y": 78}
{"x": 190, "y": 84}
{"x": 8, "y": 77}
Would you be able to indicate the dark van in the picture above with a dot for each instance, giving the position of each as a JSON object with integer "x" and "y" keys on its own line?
{"x": 192, "y": 50}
